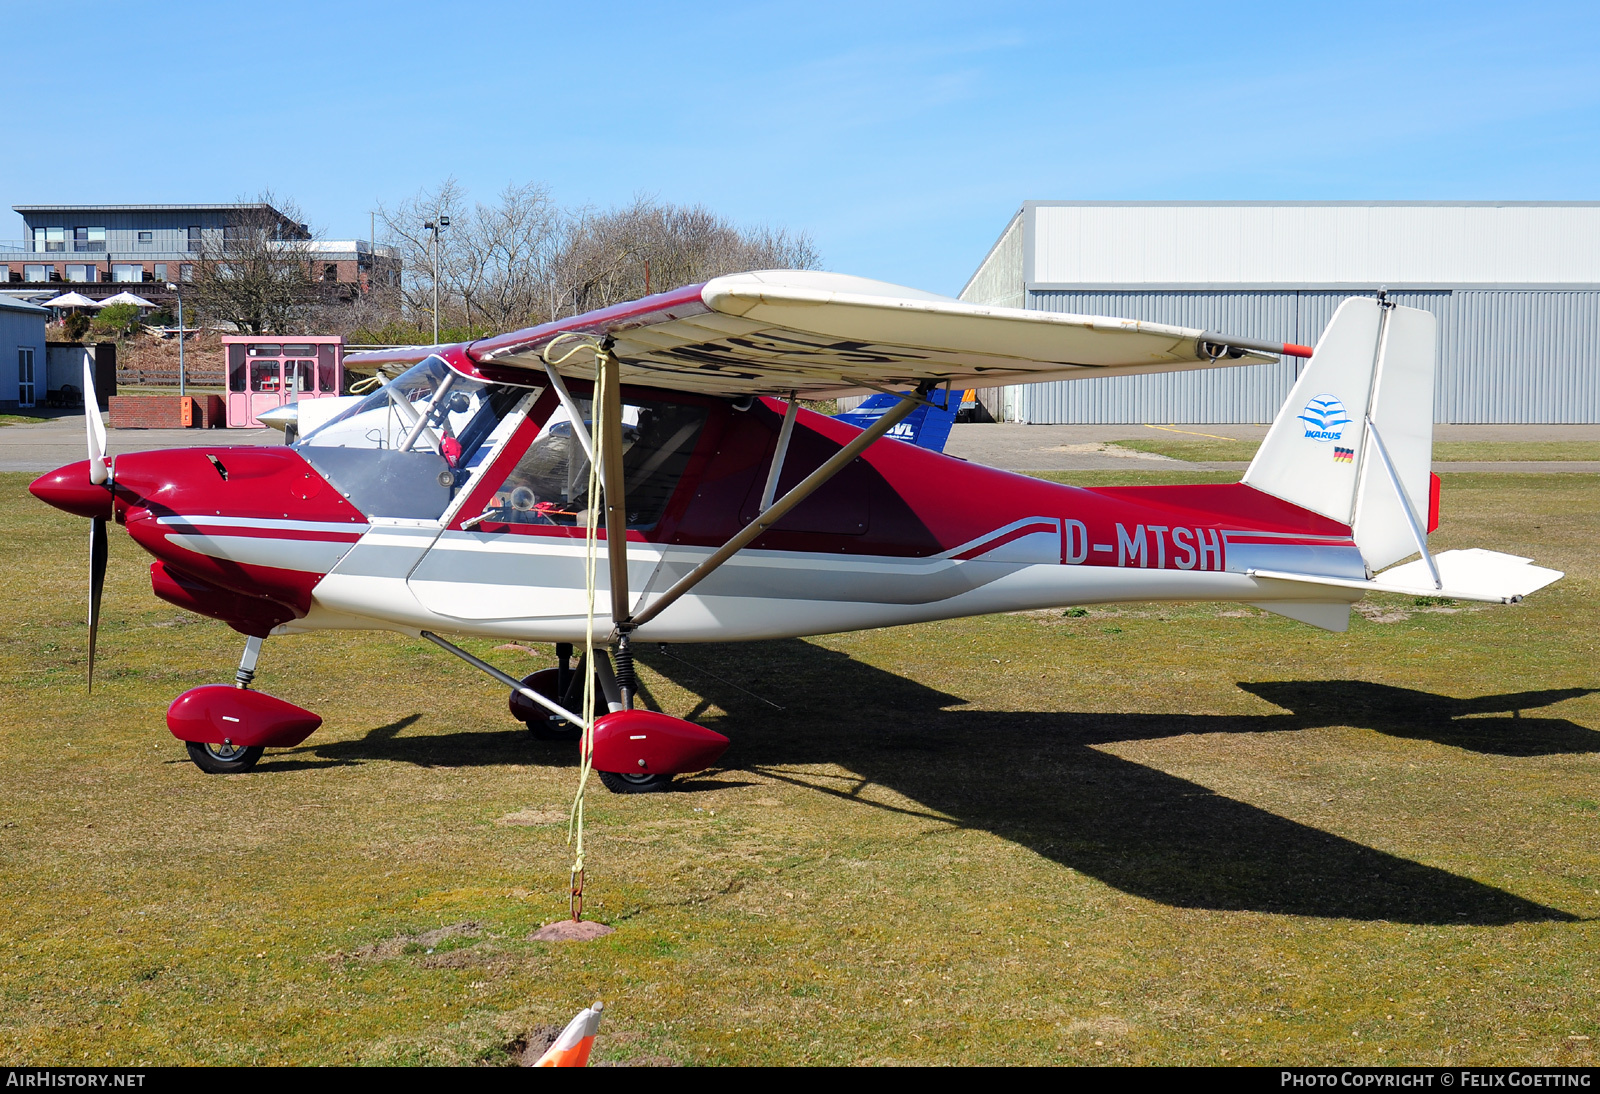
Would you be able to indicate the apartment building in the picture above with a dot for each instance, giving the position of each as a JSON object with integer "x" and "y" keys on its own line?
{"x": 101, "y": 250}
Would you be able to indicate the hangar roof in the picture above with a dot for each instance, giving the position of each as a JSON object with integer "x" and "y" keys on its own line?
{"x": 1333, "y": 243}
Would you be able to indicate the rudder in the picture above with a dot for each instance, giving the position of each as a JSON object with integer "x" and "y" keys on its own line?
{"x": 1367, "y": 393}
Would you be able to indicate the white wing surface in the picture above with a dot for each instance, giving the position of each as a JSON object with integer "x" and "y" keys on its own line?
{"x": 823, "y": 335}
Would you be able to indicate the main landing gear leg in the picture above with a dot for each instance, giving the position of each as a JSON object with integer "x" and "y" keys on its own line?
{"x": 226, "y": 758}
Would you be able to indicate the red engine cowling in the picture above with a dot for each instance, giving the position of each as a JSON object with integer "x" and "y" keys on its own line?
{"x": 216, "y": 713}
{"x": 638, "y": 742}
{"x": 252, "y": 615}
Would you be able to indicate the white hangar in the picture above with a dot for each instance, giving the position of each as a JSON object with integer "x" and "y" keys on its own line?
{"x": 1516, "y": 287}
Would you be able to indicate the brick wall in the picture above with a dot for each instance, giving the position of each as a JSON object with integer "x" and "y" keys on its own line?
{"x": 166, "y": 411}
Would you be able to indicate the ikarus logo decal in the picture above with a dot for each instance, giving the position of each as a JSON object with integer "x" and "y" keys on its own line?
{"x": 1325, "y": 418}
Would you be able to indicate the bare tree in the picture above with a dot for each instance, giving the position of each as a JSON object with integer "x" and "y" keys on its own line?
{"x": 522, "y": 260}
{"x": 257, "y": 272}
{"x": 652, "y": 247}
{"x": 421, "y": 264}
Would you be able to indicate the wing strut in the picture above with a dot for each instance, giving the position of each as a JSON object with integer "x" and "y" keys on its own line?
{"x": 802, "y": 490}
{"x": 609, "y": 419}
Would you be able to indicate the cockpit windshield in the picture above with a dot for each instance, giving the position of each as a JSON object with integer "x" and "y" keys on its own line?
{"x": 409, "y": 446}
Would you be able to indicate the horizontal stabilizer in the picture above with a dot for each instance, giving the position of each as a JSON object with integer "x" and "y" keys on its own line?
{"x": 1473, "y": 574}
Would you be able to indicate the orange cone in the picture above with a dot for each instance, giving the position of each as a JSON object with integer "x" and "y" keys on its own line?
{"x": 572, "y": 1047}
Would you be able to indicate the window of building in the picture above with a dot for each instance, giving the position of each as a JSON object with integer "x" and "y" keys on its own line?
{"x": 185, "y": 272}
{"x": 194, "y": 237}
{"x": 330, "y": 272}
{"x": 147, "y": 239}
{"x": 266, "y": 376}
{"x": 88, "y": 239}
{"x": 49, "y": 239}
{"x": 25, "y": 381}
{"x": 31, "y": 272}
{"x": 238, "y": 369}
{"x": 79, "y": 272}
{"x": 127, "y": 271}
{"x": 161, "y": 271}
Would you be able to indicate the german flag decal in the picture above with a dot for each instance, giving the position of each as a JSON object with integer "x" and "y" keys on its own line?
{"x": 1343, "y": 455}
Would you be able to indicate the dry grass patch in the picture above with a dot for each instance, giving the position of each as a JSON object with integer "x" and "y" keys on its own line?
{"x": 1188, "y": 833}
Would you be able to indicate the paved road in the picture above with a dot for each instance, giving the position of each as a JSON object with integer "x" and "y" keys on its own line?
{"x": 47, "y": 445}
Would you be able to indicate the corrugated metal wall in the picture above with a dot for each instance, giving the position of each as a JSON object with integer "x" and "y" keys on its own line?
{"x": 1249, "y": 394}
{"x": 1520, "y": 356}
{"x": 1504, "y": 356}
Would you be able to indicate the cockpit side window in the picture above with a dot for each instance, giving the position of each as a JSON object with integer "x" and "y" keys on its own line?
{"x": 550, "y": 484}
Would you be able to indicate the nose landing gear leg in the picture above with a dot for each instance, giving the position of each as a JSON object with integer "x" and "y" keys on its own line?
{"x": 247, "y": 662}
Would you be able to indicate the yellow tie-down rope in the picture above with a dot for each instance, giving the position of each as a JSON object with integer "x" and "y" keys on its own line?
{"x": 591, "y": 554}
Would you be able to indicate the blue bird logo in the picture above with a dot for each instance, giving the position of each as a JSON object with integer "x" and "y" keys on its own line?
{"x": 1325, "y": 418}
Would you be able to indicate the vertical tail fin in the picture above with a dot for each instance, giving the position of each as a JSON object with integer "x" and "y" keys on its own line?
{"x": 1358, "y": 423}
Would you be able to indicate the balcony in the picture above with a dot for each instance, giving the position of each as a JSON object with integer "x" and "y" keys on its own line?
{"x": 167, "y": 250}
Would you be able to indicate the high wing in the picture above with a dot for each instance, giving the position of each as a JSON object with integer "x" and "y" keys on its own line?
{"x": 823, "y": 335}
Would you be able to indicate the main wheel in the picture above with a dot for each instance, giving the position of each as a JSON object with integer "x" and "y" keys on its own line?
{"x": 540, "y": 722}
{"x": 634, "y": 784}
{"x": 224, "y": 759}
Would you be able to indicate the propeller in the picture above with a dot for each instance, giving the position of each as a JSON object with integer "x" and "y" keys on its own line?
{"x": 94, "y": 427}
{"x": 99, "y": 473}
{"x": 97, "y": 585}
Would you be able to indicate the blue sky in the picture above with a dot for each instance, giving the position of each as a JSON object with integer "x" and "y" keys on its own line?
{"x": 901, "y": 136}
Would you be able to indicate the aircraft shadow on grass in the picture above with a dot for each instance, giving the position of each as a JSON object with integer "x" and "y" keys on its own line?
{"x": 1035, "y": 779}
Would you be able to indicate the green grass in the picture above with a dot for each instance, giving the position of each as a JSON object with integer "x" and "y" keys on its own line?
{"x": 1204, "y": 451}
{"x": 1155, "y": 833}
{"x": 20, "y": 419}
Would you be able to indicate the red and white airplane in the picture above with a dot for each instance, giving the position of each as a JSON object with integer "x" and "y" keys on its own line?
{"x": 459, "y": 497}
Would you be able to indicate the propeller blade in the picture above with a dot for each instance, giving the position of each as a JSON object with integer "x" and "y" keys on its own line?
{"x": 94, "y": 428}
{"x": 97, "y": 585}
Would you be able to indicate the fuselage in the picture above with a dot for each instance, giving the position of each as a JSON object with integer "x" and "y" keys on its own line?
{"x": 315, "y": 536}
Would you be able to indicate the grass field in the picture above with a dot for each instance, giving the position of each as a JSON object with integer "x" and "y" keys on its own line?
{"x": 1155, "y": 834}
{"x": 1222, "y": 449}
{"x": 19, "y": 419}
